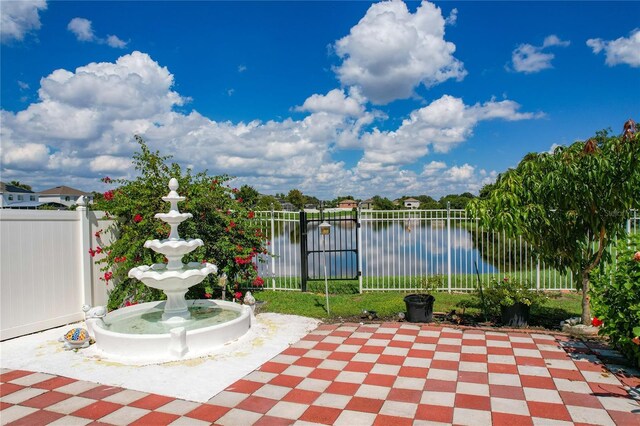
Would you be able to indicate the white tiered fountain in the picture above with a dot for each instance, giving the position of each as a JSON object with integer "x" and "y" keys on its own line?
{"x": 175, "y": 327}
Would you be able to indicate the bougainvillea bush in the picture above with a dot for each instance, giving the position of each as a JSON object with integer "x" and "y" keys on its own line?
{"x": 232, "y": 240}
{"x": 615, "y": 296}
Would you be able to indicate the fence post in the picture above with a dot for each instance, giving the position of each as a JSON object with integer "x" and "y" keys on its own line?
{"x": 538, "y": 275}
{"x": 273, "y": 258}
{"x": 304, "y": 265}
{"x": 85, "y": 244}
{"x": 449, "y": 246}
{"x": 358, "y": 244}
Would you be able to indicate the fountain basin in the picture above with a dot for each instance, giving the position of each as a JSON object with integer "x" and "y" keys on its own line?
{"x": 161, "y": 277}
{"x": 174, "y": 247}
{"x": 181, "y": 336}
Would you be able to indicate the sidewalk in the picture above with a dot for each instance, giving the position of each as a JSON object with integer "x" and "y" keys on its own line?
{"x": 351, "y": 374}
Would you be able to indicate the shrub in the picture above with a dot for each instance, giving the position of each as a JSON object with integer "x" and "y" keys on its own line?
{"x": 231, "y": 239}
{"x": 615, "y": 297}
{"x": 507, "y": 292}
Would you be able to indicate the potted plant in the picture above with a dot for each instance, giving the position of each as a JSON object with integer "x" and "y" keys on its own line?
{"x": 512, "y": 299}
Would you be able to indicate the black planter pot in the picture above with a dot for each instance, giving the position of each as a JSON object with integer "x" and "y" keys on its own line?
{"x": 419, "y": 307}
{"x": 516, "y": 315}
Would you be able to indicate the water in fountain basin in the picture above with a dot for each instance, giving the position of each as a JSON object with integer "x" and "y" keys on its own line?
{"x": 150, "y": 322}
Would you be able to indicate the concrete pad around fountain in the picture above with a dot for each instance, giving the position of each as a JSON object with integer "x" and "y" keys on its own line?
{"x": 192, "y": 378}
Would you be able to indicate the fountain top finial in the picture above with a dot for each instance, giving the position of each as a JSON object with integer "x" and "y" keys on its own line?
{"x": 173, "y": 184}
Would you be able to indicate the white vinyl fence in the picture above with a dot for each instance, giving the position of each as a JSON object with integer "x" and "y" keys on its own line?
{"x": 46, "y": 273}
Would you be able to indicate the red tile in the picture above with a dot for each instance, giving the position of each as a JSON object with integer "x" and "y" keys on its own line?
{"x": 408, "y": 331}
{"x": 385, "y": 380}
{"x": 320, "y": 415}
{"x": 527, "y": 360}
{"x": 40, "y": 417}
{"x": 420, "y": 353}
{"x": 580, "y": 399}
{"x": 444, "y": 365}
{"x": 504, "y": 419}
{"x": 448, "y": 348}
{"x": 367, "y": 405}
{"x": 46, "y": 399}
{"x": 339, "y": 333}
{"x": 427, "y": 339}
{"x": 391, "y": 359}
{"x": 273, "y": 367}
{"x": 208, "y": 412}
{"x": 522, "y": 345}
{"x": 97, "y": 410}
{"x": 355, "y": 341}
{"x": 500, "y": 337}
{"x": 473, "y": 342}
{"x": 286, "y": 381}
{"x": 151, "y": 402}
{"x": 5, "y": 405}
{"x": 273, "y": 421}
{"x": 473, "y": 377}
{"x": 502, "y": 368}
{"x": 257, "y": 404}
{"x": 622, "y": 418}
{"x": 341, "y": 356}
{"x": 295, "y": 351}
{"x": 54, "y": 383}
{"x": 14, "y": 374}
{"x": 343, "y": 388}
{"x": 155, "y": 418}
{"x": 554, "y": 355}
{"x": 324, "y": 374}
{"x": 546, "y": 410}
{"x": 590, "y": 366}
{"x": 418, "y": 372}
{"x": 301, "y": 396}
{"x": 316, "y": 337}
{"x": 473, "y": 357}
{"x": 370, "y": 349}
{"x": 492, "y": 350}
{"x": 367, "y": 329}
{"x": 434, "y": 413}
{"x": 382, "y": 336}
{"x": 244, "y": 386}
{"x": 308, "y": 362}
{"x": 400, "y": 344}
{"x": 474, "y": 402}
{"x": 100, "y": 392}
{"x": 7, "y": 388}
{"x": 404, "y": 395}
{"x": 362, "y": 367}
{"x": 537, "y": 382}
{"x": 325, "y": 327}
{"x": 323, "y": 346}
{"x": 383, "y": 420}
{"x": 602, "y": 389}
{"x": 510, "y": 392}
{"x": 440, "y": 385}
{"x": 560, "y": 373}
{"x": 449, "y": 335}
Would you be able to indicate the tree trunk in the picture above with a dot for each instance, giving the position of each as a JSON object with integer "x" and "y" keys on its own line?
{"x": 586, "y": 299}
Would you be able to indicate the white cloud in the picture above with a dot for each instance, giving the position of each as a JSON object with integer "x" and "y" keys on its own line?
{"x": 242, "y": 68}
{"x": 23, "y": 85}
{"x": 452, "y": 18}
{"x": 392, "y": 51}
{"x": 335, "y": 102}
{"x": 18, "y": 18}
{"x": 620, "y": 51}
{"x": 527, "y": 58}
{"x": 82, "y": 28}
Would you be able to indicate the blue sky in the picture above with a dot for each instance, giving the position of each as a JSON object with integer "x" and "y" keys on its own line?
{"x": 333, "y": 98}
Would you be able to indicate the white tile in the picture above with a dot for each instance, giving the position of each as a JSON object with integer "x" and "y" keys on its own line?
{"x": 596, "y": 377}
{"x": 387, "y": 330}
{"x": 531, "y": 353}
{"x": 314, "y": 353}
{"x": 449, "y": 341}
{"x": 315, "y": 385}
{"x": 272, "y": 391}
{"x": 226, "y": 399}
{"x": 298, "y": 371}
{"x": 362, "y": 357}
{"x": 334, "y": 339}
{"x": 399, "y": 409}
{"x": 473, "y": 336}
{"x": 478, "y": 367}
{"x": 70, "y": 405}
{"x": 351, "y": 377}
{"x": 501, "y": 359}
{"x": 446, "y": 356}
{"x": 572, "y": 386}
{"x": 518, "y": 339}
{"x": 372, "y": 391}
{"x": 615, "y": 403}
{"x": 348, "y": 348}
{"x": 76, "y": 388}
{"x": 404, "y": 337}
{"x": 538, "y": 336}
{"x": 304, "y": 344}
{"x": 551, "y": 347}
{"x": 388, "y": 369}
{"x": 450, "y": 330}
{"x": 361, "y": 335}
{"x": 189, "y": 421}
{"x": 22, "y": 395}
{"x": 498, "y": 344}
{"x": 125, "y": 397}
{"x": 417, "y": 362}
{"x": 590, "y": 415}
{"x": 235, "y": 417}
{"x": 437, "y": 374}
{"x": 32, "y": 379}
{"x": 349, "y": 328}
{"x": 539, "y": 421}
{"x": 530, "y": 370}
{"x": 178, "y": 407}
{"x": 429, "y": 333}
{"x": 377, "y": 342}
{"x": 287, "y": 410}
{"x": 320, "y": 332}
{"x": 71, "y": 421}
{"x": 445, "y": 399}
{"x": 510, "y": 406}
{"x": 391, "y": 350}
{"x": 124, "y": 415}
{"x": 466, "y": 416}
{"x": 413, "y": 383}
{"x": 563, "y": 364}
{"x": 542, "y": 395}
{"x": 472, "y": 389}
{"x": 474, "y": 350}
{"x": 261, "y": 376}
{"x": 424, "y": 346}
{"x": 332, "y": 400}
{"x": 15, "y": 412}
{"x": 504, "y": 379}
{"x": 351, "y": 418}
{"x": 285, "y": 359}
{"x": 333, "y": 364}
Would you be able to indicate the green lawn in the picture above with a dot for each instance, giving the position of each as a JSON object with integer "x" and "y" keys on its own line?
{"x": 348, "y": 307}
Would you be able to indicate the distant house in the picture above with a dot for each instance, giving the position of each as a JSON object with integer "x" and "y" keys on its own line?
{"x": 411, "y": 203}
{"x": 288, "y": 207}
{"x": 63, "y": 196}
{"x": 14, "y": 197}
{"x": 367, "y": 204}
{"x": 347, "y": 204}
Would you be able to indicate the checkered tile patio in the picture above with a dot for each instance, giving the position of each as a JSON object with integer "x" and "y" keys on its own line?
{"x": 351, "y": 374}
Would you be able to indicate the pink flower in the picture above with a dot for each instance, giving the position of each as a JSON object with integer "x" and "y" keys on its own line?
{"x": 98, "y": 249}
{"x": 207, "y": 295}
{"x": 137, "y": 218}
{"x": 596, "y": 322}
{"x": 98, "y": 233}
{"x": 108, "y": 195}
{"x": 636, "y": 256}
{"x": 238, "y": 295}
{"x": 108, "y": 275}
{"x": 258, "y": 282}
{"x": 92, "y": 252}
{"x": 106, "y": 179}
{"x": 251, "y": 215}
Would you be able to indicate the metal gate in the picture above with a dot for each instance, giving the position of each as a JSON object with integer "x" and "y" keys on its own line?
{"x": 339, "y": 248}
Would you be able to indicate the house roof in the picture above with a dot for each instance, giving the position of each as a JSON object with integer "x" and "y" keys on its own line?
{"x": 370, "y": 200}
{"x": 63, "y": 190}
{"x": 5, "y": 187}
{"x": 411, "y": 200}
